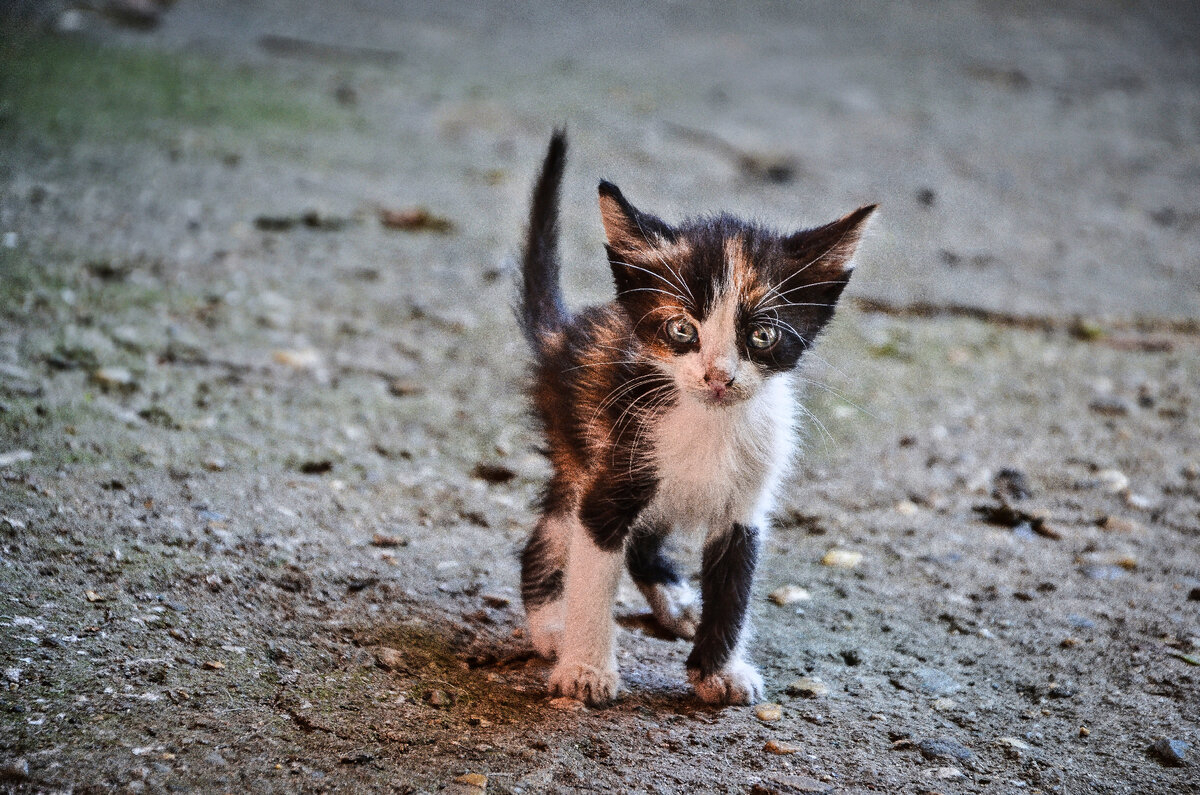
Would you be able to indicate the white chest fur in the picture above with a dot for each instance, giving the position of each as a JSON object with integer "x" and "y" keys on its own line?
{"x": 718, "y": 465}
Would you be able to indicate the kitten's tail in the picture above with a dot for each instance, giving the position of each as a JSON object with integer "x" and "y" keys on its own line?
{"x": 542, "y": 308}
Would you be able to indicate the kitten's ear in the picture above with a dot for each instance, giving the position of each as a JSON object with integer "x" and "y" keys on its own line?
{"x": 825, "y": 253}
{"x": 629, "y": 230}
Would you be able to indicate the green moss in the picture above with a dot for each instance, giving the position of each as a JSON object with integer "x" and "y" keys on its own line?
{"x": 61, "y": 89}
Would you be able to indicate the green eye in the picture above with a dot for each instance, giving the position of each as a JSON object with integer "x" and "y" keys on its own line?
{"x": 681, "y": 330}
{"x": 762, "y": 337}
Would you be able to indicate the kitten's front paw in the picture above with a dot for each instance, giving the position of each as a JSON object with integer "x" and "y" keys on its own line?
{"x": 736, "y": 683}
{"x": 591, "y": 685}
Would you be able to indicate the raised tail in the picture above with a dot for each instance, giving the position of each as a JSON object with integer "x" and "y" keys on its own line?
{"x": 542, "y": 308}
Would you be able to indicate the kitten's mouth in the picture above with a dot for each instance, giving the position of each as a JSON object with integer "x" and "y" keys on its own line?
{"x": 724, "y": 397}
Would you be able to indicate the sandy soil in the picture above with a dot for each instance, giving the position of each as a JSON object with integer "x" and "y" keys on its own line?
{"x": 263, "y": 460}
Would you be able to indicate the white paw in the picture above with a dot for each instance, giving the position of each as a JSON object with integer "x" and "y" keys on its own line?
{"x": 546, "y": 629}
{"x": 676, "y": 608}
{"x": 591, "y": 685}
{"x": 737, "y": 683}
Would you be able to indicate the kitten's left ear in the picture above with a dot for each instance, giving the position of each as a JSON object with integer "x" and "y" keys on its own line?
{"x": 825, "y": 253}
{"x": 629, "y": 230}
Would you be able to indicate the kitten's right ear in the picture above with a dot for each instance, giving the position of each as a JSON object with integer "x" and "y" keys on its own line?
{"x": 629, "y": 230}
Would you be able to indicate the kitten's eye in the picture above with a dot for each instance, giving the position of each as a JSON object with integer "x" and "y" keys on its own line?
{"x": 762, "y": 337}
{"x": 681, "y": 330}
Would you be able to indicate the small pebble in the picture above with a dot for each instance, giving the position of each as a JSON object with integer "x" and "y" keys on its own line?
{"x": 944, "y": 748}
{"x": 1138, "y": 501}
{"x": 1115, "y": 524}
{"x": 1171, "y": 753}
{"x": 1110, "y": 406}
{"x": 781, "y": 748}
{"x": 841, "y": 558}
{"x": 1013, "y": 742}
{"x": 438, "y": 698}
{"x": 808, "y": 687}
{"x": 1084, "y": 731}
{"x": 301, "y": 359}
{"x": 789, "y": 785}
{"x": 787, "y": 594}
{"x": 15, "y": 457}
{"x": 213, "y": 665}
{"x": 1112, "y": 481}
{"x": 473, "y": 780}
{"x": 389, "y": 658}
{"x": 16, "y": 770}
{"x": 768, "y": 712}
{"x": 115, "y": 379}
{"x": 565, "y": 703}
{"x": 906, "y": 508}
{"x": 947, "y": 773}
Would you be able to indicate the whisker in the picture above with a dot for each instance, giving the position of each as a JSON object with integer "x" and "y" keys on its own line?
{"x": 840, "y": 395}
{"x": 820, "y": 425}
{"x": 663, "y": 260}
{"x": 658, "y": 276}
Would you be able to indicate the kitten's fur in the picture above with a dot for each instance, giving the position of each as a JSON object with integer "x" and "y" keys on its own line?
{"x": 669, "y": 408}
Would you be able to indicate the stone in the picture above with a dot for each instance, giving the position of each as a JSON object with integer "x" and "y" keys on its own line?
{"x": 789, "y": 785}
{"x": 935, "y": 682}
{"x": 1112, "y": 481}
{"x": 808, "y": 687}
{"x": 842, "y": 559}
{"x": 768, "y": 712}
{"x": 781, "y": 748}
{"x": 114, "y": 379}
{"x": 944, "y": 748}
{"x": 565, "y": 703}
{"x": 389, "y": 658}
{"x": 477, "y": 780}
{"x": 1013, "y": 743}
{"x": 15, "y": 457}
{"x": 1172, "y": 753}
{"x": 788, "y": 594}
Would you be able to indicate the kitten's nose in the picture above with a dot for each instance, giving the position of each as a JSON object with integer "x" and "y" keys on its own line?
{"x": 718, "y": 381}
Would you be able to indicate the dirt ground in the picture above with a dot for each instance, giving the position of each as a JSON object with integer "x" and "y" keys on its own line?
{"x": 264, "y": 465}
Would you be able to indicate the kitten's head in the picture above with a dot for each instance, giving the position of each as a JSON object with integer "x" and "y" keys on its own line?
{"x": 719, "y": 304}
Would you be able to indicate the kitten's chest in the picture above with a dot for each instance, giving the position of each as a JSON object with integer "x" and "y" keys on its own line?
{"x": 721, "y": 465}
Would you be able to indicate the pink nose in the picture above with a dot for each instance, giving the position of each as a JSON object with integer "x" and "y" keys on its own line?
{"x": 719, "y": 382}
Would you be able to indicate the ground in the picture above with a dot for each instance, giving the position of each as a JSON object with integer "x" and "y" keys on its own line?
{"x": 264, "y": 463}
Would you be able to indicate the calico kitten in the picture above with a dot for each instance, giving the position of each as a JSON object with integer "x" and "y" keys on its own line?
{"x": 669, "y": 408}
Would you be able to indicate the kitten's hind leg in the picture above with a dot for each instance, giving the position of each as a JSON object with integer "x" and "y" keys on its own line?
{"x": 671, "y": 599}
{"x": 542, "y": 564}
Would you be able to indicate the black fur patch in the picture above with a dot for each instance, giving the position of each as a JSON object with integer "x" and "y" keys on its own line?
{"x": 648, "y": 564}
{"x": 541, "y": 573}
{"x": 610, "y": 508}
{"x": 726, "y": 574}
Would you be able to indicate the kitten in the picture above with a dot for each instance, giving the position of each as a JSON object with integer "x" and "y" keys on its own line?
{"x": 669, "y": 408}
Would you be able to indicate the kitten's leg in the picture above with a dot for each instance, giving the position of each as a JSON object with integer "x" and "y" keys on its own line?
{"x": 715, "y": 666}
{"x": 672, "y": 600}
{"x": 542, "y": 564}
{"x": 587, "y": 663}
